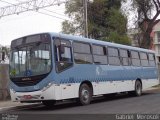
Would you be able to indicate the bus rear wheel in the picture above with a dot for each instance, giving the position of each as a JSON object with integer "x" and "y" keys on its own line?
{"x": 138, "y": 89}
{"x": 85, "y": 94}
{"x": 49, "y": 103}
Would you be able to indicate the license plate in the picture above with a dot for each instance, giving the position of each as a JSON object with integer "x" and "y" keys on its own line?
{"x": 27, "y": 97}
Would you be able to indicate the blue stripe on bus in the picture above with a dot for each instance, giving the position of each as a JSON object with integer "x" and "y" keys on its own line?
{"x": 76, "y": 77}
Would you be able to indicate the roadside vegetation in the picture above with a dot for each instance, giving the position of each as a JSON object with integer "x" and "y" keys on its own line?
{"x": 108, "y": 21}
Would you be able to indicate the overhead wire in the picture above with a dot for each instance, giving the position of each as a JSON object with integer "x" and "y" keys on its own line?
{"x": 47, "y": 10}
{"x": 36, "y": 11}
{"x": 44, "y": 13}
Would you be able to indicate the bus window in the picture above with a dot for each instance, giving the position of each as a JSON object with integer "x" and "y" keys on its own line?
{"x": 124, "y": 57}
{"x": 129, "y": 57}
{"x": 151, "y": 60}
{"x": 99, "y": 54}
{"x": 135, "y": 58}
{"x": 113, "y": 56}
{"x": 144, "y": 59}
{"x": 82, "y": 53}
{"x": 63, "y": 54}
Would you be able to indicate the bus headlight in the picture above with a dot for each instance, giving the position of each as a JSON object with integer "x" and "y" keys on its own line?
{"x": 46, "y": 87}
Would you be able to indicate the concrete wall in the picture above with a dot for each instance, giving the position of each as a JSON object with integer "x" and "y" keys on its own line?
{"x": 4, "y": 82}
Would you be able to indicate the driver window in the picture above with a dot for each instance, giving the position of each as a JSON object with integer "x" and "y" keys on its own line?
{"x": 63, "y": 54}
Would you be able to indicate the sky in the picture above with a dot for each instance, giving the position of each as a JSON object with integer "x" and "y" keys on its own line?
{"x": 15, "y": 26}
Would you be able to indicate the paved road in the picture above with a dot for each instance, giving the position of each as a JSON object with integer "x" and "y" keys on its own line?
{"x": 149, "y": 102}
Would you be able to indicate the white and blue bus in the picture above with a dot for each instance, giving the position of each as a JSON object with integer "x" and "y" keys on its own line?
{"x": 50, "y": 67}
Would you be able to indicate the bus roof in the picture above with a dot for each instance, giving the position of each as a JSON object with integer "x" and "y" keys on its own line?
{"x": 93, "y": 41}
{"x": 99, "y": 42}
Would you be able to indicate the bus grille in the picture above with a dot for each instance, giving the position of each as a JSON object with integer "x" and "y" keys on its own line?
{"x": 27, "y": 81}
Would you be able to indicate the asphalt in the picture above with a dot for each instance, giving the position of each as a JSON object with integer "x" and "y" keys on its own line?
{"x": 119, "y": 107}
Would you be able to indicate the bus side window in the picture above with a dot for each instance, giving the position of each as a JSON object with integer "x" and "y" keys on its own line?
{"x": 82, "y": 53}
{"x": 144, "y": 59}
{"x": 135, "y": 58}
{"x": 99, "y": 54}
{"x": 129, "y": 57}
{"x": 63, "y": 55}
{"x": 56, "y": 49}
{"x": 152, "y": 61}
{"x": 124, "y": 57}
{"x": 113, "y": 56}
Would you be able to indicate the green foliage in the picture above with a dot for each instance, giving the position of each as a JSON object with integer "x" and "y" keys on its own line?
{"x": 105, "y": 20}
{"x": 68, "y": 27}
{"x": 117, "y": 22}
{"x": 74, "y": 12}
{"x": 116, "y": 38}
{"x": 117, "y": 28}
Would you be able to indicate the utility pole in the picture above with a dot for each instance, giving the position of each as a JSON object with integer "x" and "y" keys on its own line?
{"x": 85, "y": 18}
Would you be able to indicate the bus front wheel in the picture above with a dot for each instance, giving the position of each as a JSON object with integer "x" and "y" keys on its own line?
{"x": 85, "y": 94}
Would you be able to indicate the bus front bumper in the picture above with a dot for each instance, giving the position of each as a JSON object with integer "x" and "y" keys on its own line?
{"x": 40, "y": 95}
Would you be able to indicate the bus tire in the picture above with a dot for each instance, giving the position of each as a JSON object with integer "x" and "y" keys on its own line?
{"x": 85, "y": 94}
{"x": 49, "y": 103}
{"x": 138, "y": 89}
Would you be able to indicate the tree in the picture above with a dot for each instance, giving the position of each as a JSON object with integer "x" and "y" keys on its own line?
{"x": 74, "y": 10}
{"x": 105, "y": 20}
{"x": 148, "y": 12}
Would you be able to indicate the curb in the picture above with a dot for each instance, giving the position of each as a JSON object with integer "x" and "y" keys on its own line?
{"x": 152, "y": 88}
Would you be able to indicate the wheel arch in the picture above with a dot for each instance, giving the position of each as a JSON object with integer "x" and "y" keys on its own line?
{"x": 88, "y": 83}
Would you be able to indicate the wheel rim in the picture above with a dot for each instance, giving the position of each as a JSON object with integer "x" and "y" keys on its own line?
{"x": 85, "y": 95}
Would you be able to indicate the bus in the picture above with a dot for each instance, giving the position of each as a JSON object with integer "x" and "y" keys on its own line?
{"x": 51, "y": 67}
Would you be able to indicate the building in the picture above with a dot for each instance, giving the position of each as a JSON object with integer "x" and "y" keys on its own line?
{"x": 134, "y": 35}
{"x": 156, "y": 38}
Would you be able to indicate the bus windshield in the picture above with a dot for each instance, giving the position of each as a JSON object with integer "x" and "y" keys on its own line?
{"x": 30, "y": 60}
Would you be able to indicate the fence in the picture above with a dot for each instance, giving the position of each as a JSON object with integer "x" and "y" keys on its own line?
{"x": 4, "y": 82}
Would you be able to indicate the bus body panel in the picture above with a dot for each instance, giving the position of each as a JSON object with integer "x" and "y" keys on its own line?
{"x": 104, "y": 78}
{"x": 66, "y": 91}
